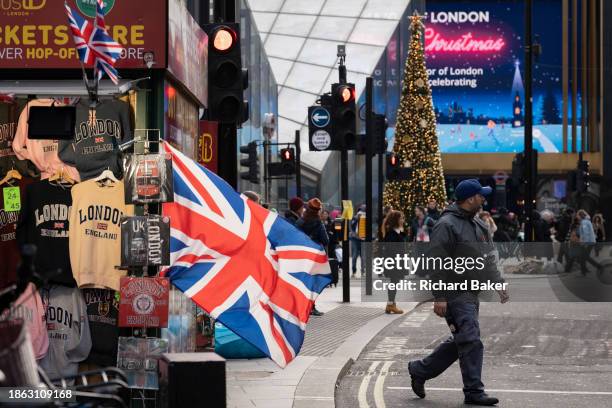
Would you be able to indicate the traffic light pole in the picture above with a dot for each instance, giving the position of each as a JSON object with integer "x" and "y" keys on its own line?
{"x": 228, "y": 148}
{"x": 530, "y": 171}
{"x": 344, "y": 194}
{"x": 368, "y": 181}
{"x": 298, "y": 165}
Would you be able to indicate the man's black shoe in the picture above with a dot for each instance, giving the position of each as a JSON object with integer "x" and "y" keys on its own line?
{"x": 315, "y": 312}
{"x": 480, "y": 399}
{"x": 417, "y": 383}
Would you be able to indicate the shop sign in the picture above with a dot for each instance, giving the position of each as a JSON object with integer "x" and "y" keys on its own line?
{"x": 207, "y": 148}
{"x": 188, "y": 56}
{"x": 36, "y": 34}
{"x": 182, "y": 120}
{"x": 144, "y": 302}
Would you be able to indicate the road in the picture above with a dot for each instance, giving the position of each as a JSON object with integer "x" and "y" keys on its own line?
{"x": 536, "y": 355}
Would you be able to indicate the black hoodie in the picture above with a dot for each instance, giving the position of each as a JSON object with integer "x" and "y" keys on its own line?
{"x": 460, "y": 234}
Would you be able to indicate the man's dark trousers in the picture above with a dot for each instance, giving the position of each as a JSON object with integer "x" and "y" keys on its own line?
{"x": 464, "y": 344}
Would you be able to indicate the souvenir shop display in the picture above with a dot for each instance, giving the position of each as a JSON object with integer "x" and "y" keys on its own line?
{"x": 138, "y": 358}
{"x": 43, "y": 153}
{"x": 182, "y": 325}
{"x": 65, "y": 314}
{"x": 144, "y": 302}
{"x": 95, "y": 231}
{"x": 98, "y": 133}
{"x": 145, "y": 241}
{"x": 148, "y": 179}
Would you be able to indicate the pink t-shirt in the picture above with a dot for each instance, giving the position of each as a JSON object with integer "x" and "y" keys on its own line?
{"x": 43, "y": 153}
{"x": 29, "y": 307}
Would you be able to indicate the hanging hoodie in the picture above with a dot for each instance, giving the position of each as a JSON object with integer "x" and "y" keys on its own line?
{"x": 98, "y": 135}
{"x": 95, "y": 233}
{"x": 43, "y": 153}
{"x": 44, "y": 222}
{"x": 8, "y": 127}
{"x": 103, "y": 313}
{"x": 68, "y": 329}
{"x": 29, "y": 308}
{"x": 9, "y": 250}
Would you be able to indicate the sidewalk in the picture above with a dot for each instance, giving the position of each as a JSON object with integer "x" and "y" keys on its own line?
{"x": 332, "y": 342}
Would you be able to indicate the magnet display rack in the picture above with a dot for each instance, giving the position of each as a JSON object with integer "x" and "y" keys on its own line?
{"x": 146, "y": 141}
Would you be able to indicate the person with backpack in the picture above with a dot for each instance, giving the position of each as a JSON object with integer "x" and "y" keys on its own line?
{"x": 310, "y": 224}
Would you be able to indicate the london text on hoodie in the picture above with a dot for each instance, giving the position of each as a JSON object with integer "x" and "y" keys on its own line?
{"x": 98, "y": 134}
{"x": 95, "y": 233}
{"x": 44, "y": 222}
{"x": 68, "y": 329}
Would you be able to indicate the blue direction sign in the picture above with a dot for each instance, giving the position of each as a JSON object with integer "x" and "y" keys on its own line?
{"x": 320, "y": 117}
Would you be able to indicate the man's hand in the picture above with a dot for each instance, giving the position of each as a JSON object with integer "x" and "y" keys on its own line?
{"x": 440, "y": 308}
{"x": 503, "y": 296}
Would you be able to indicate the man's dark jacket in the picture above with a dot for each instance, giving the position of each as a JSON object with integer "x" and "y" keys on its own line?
{"x": 459, "y": 234}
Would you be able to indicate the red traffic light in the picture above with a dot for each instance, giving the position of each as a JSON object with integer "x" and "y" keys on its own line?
{"x": 393, "y": 160}
{"x": 346, "y": 94}
{"x": 223, "y": 39}
{"x": 287, "y": 155}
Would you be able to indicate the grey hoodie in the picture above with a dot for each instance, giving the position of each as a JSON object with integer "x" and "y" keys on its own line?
{"x": 96, "y": 141}
{"x": 460, "y": 234}
{"x": 68, "y": 329}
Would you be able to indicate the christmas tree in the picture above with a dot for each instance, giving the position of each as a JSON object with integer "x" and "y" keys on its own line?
{"x": 416, "y": 141}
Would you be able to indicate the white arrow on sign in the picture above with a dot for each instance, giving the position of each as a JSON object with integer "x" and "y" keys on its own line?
{"x": 318, "y": 117}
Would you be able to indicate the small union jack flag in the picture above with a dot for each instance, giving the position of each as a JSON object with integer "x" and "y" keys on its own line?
{"x": 94, "y": 45}
{"x": 246, "y": 266}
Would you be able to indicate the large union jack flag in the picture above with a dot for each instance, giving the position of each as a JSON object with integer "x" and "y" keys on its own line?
{"x": 94, "y": 45}
{"x": 246, "y": 266}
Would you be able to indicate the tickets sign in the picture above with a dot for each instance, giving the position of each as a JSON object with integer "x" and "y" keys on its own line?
{"x": 144, "y": 302}
{"x": 36, "y": 34}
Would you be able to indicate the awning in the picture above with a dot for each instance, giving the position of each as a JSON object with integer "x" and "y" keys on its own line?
{"x": 51, "y": 88}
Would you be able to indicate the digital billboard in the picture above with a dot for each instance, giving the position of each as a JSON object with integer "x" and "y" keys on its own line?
{"x": 475, "y": 61}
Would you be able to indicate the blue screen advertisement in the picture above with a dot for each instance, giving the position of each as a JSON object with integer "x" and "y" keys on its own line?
{"x": 474, "y": 53}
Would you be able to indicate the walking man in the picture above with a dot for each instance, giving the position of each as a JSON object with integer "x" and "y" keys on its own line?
{"x": 457, "y": 228}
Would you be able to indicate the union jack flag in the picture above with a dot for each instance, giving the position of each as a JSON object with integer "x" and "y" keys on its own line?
{"x": 246, "y": 266}
{"x": 93, "y": 43}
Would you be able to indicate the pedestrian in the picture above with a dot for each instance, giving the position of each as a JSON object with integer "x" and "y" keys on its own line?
{"x": 600, "y": 231}
{"x": 379, "y": 234}
{"x": 393, "y": 231}
{"x": 432, "y": 209}
{"x": 253, "y": 196}
{"x": 563, "y": 229}
{"x": 459, "y": 226}
{"x": 542, "y": 246}
{"x": 486, "y": 217}
{"x": 296, "y": 209}
{"x": 356, "y": 241}
{"x": 583, "y": 237}
{"x": 310, "y": 224}
{"x": 332, "y": 236}
{"x": 420, "y": 226}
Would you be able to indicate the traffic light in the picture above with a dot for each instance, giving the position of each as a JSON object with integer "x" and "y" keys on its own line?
{"x": 393, "y": 166}
{"x": 343, "y": 113}
{"x": 397, "y": 170}
{"x": 380, "y": 133}
{"x": 226, "y": 78}
{"x": 519, "y": 166}
{"x": 583, "y": 177}
{"x": 251, "y": 163}
{"x": 288, "y": 160}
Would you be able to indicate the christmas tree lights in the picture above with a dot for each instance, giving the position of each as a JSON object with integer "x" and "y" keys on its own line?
{"x": 416, "y": 141}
